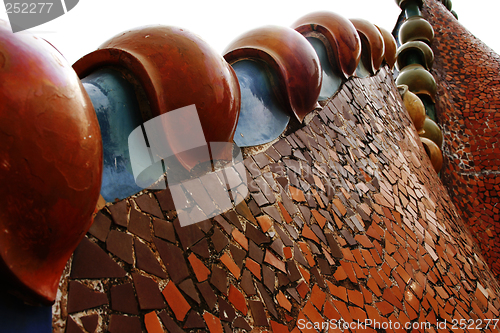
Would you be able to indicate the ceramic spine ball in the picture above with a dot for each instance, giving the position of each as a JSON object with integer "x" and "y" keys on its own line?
{"x": 414, "y": 106}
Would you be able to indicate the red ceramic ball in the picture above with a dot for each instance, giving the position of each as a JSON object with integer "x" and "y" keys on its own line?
{"x": 50, "y": 164}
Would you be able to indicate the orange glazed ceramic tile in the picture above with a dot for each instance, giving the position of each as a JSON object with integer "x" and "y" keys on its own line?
{"x": 176, "y": 301}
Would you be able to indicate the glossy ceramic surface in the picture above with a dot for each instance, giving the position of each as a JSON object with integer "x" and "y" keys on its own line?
{"x": 403, "y": 3}
{"x": 390, "y": 47}
{"x": 331, "y": 79}
{"x": 372, "y": 44}
{"x": 291, "y": 56}
{"x": 418, "y": 80}
{"x": 432, "y": 132}
{"x": 416, "y": 28}
{"x": 415, "y": 52}
{"x": 51, "y": 164}
{"x": 339, "y": 36}
{"x": 117, "y": 109}
{"x": 434, "y": 153}
{"x": 414, "y": 106}
{"x": 262, "y": 116}
{"x": 176, "y": 69}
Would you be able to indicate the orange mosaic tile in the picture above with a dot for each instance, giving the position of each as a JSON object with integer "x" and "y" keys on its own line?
{"x": 317, "y": 297}
{"x": 152, "y": 323}
{"x": 213, "y": 323}
{"x": 240, "y": 238}
{"x": 237, "y": 299}
{"x": 200, "y": 270}
{"x": 274, "y": 261}
{"x": 284, "y": 212}
{"x": 356, "y": 297}
{"x": 176, "y": 301}
{"x": 278, "y": 328}
{"x": 253, "y": 267}
{"x": 265, "y": 222}
{"x": 302, "y": 289}
{"x": 283, "y": 301}
{"x": 229, "y": 263}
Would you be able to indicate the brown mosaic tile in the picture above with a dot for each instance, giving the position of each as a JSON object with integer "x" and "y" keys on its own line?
{"x": 219, "y": 240}
{"x": 194, "y": 320}
{"x": 219, "y": 279}
{"x": 268, "y": 300}
{"x": 91, "y": 262}
{"x": 256, "y": 235}
{"x": 124, "y": 324}
{"x": 72, "y": 327}
{"x": 119, "y": 213}
{"x": 149, "y": 205}
{"x": 169, "y": 323}
{"x": 233, "y": 218}
{"x": 100, "y": 227}
{"x": 226, "y": 311}
{"x": 240, "y": 322}
{"x": 244, "y": 211}
{"x": 258, "y": 313}
{"x": 148, "y": 293}
{"x": 90, "y": 322}
{"x": 173, "y": 260}
{"x": 163, "y": 229}
{"x": 80, "y": 297}
{"x": 123, "y": 299}
{"x": 165, "y": 199}
{"x": 208, "y": 294}
{"x": 146, "y": 260}
{"x": 120, "y": 244}
{"x": 268, "y": 277}
{"x": 188, "y": 235}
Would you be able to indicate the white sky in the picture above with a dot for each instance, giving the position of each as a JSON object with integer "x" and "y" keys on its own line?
{"x": 218, "y": 22}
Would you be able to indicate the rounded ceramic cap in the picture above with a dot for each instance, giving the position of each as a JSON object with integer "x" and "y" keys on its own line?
{"x": 432, "y": 132}
{"x": 414, "y": 106}
{"x": 338, "y": 35}
{"x": 418, "y": 80}
{"x": 374, "y": 42}
{"x": 434, "y": 153}
{"x": 416, "y": 28}
{"x": 50, "y": 164}
{"x": 390, "y": 47}
{"x": 176, "y": 68}
{"x": 419, "y": 48}
{"x": 293, "y": 59}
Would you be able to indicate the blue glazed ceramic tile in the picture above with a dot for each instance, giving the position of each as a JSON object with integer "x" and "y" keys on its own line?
{"x": 331, "y": 81}
{"x": 262, "y": 116}
{"x": 117, "y": 110}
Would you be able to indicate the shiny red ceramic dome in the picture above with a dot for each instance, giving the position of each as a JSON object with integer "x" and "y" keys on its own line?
{"x": 50, "y": 164}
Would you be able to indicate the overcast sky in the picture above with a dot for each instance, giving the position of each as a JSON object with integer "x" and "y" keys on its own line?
{"x": 218, "y": 22}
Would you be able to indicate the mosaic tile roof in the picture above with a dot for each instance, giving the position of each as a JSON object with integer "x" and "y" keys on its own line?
{"x": 346, "y": 219}
{"x": 335, "y": 219}
{"x": 468, "y": 88}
